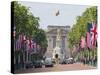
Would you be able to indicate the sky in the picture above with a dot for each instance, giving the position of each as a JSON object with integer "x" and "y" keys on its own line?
{"x": 46, "y": 13}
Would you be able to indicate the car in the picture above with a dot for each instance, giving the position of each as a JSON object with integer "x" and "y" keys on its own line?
{"x": 29, "y": 65}
{"x": 37, "y": 64}
{"x": 64, "y": 62}
{"x": 42, "y": 61}
{"x": 53, "y": 61}
{"x": 70, "y": 61}
{"x": 48, "y": 62}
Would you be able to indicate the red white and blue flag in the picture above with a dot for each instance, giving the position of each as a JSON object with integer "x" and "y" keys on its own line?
{"x": 20, "y": 41}
{"x": 94, "y": 34}
{"x": 27, "y": 44}
{"x": 91, "y": 35}
{"x": 18, "y": 45}
{"x": 88, "y": 41}
{"x": 83, "y": 43}
{"x": 22, "y": 38}
{"x": 30, "y": 45}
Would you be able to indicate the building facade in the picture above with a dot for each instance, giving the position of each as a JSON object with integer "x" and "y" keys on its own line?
{"x": 52, "y": 37}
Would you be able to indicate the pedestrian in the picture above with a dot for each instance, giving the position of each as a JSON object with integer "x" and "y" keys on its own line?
{"x": 83, "y": 60}
{"x": 94, "y": 60}
{"x": 91, "y": 60}
{"x": 88, "y": 60}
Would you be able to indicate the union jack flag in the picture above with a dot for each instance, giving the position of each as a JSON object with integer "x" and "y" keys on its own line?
{"x": 91, "y": 35}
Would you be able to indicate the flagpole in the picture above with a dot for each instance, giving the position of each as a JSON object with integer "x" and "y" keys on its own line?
{"x": 27, "y": 55}
{"x": 27, "y": 49}
{"x": 14, "y": 44}
{"x": 23, "y": 50}
{"x": 14, "y": 52}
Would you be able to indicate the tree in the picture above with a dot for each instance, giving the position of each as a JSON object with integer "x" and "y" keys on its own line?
{"x": 40, "y": 38}
{"x": 24, "y": 20}
{"x": 79, "y": 29}
{"x": 26, "y": 23}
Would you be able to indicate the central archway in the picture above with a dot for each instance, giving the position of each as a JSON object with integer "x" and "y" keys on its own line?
{"x": 56, "y": 56}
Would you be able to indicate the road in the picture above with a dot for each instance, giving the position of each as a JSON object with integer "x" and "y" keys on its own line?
{"x": 64, "y": 67}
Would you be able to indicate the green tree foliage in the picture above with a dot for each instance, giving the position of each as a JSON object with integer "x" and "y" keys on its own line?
{"x": 79, "y": 29}
{"x": 40, "y": 37}
{"x": 26, "y": 23}
{"x": 24, "y": 20}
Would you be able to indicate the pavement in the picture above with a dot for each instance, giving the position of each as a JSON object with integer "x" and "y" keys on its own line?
{"x": 59, "y": 67}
